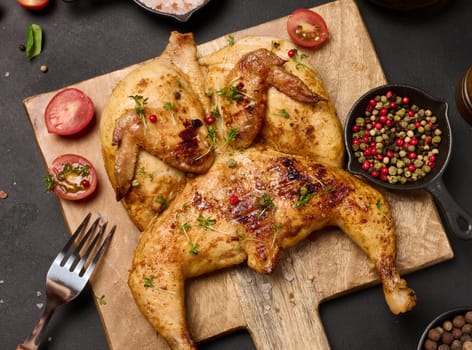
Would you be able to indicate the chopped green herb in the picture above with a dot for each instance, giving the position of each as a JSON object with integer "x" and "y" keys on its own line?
{"x": 380, "y": 208}
{"x": 215, "y": 112}
{"x": 298, "y": 58}
{"x": 265, "y": 203}
{"x": 168, "y": 106}
{"x": 283, "y": 113}
{"x": 230, "y": 40}
{"x": 149, "y": 282}
{"x": 101, "y": 300}
{"x": 194, "y": 250}
{"x": 206, "y": 223}
{"x": 50, "y": 182}
{"x": 212, "y": 135}
{"x": 140, "y": 102}
{"x": 304, "y": 197}
{"x": 163, "y": 202}
{"x": 231, "y": 93}
{"x": 34, "y": 41}
{"x": 232, "y": 134}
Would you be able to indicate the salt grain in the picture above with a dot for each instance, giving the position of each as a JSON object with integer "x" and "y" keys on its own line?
{"x": 39, "y": 305}
{"x": 289, "y": 277}
{"x": 177, "y": 7}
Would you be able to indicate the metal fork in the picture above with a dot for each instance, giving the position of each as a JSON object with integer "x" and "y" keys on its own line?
{"x": 69, "y": 273}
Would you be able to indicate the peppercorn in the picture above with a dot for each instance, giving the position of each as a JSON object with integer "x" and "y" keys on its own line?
{"x": 434, "y": 334}
{"x": 468, "y": 317}
{"x": 395, "y": 134}
{"x": 467, "y": 345}
{"x": 467, "y": 328}
{"x": 458, "y": 321}
{"x": 456, "y": 345}
{"x": 43, "y": 68}
{"x": 447, "y": 338}
{"x": 430, "y": 345}
{"x": 444, "y": 347}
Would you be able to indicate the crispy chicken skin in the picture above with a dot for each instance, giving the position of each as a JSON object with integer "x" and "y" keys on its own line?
{"x": 156, "y": 155}
{"x": 282, "y": 199}
{"x": 285, "y": 189}
{"x": 286, "y": 120}
{"x": 244, "y": 104}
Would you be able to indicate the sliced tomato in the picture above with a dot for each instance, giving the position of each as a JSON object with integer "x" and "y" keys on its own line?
{"x": 307, "y": 28}
{"x": 33, "y": 4}
{"x": 68, "y": 112}
{"x": 71, "y": 177}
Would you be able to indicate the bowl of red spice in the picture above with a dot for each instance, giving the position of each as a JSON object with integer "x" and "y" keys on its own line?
{"x": 399, "y": 137}
{"x": 450, "y": 330}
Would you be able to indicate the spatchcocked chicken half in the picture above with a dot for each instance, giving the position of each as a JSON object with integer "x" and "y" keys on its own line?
{"x": 232, "y": 158}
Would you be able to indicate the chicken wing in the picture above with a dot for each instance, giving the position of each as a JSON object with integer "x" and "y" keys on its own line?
{"x": 281, "y": 199}
{"x": 289, "y": 126}
{"x": 244, "y": 95}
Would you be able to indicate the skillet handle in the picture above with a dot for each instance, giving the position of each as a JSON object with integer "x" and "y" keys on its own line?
{"x": 458, "y": 219}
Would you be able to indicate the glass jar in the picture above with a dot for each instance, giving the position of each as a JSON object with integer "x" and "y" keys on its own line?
{"x": 464, "y": 95}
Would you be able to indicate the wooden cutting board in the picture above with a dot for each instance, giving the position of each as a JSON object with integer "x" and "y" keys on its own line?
{"x": 268, "y": 306}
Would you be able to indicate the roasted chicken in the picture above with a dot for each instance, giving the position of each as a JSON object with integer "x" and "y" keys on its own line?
{"x": 266, "y": 172}
{"x": 281, "y": 200}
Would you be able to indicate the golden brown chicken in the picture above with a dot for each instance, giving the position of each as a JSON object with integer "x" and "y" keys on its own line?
{"x": 279, "y": 182}
{"x": 264, "y": 202}
{"x": 146, "y": 157}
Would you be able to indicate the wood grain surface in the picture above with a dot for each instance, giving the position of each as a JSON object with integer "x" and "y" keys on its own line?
{"x": 268, "y": 306}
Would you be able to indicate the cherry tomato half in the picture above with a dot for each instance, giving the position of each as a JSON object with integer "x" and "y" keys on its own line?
{"x": 33, "y": 4}
{"x": 68, "y": 112}
{"x": 71, "y": 177}
{"x": 307, "y": 28}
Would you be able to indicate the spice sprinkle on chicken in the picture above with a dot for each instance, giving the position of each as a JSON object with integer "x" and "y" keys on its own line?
{"x": 267, "y": 173}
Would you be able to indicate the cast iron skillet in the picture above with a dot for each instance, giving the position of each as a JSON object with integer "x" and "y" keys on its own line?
{"x": 459, "y": 220}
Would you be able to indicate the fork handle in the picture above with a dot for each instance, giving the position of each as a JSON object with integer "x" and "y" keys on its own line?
{"x": 33, "y": 341}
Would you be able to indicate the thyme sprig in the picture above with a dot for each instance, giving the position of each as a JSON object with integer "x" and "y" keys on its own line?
{"x": 231, "y": 93}
{"x": 265, "y": 204}
{"x": 304, "y": 197}
{"x": 139, "y": 103}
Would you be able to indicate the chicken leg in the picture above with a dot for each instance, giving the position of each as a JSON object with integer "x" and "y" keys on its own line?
{"x": 277, "y": 200}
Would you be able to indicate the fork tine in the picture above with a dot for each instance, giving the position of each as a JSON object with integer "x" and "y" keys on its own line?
{"x": 99, "y": 253}
{"x": 90, "y": 248}
{"x": 74, "y": 256}
{"x": 62, "y": 254}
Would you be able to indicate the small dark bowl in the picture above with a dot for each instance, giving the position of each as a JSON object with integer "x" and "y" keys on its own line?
{"x": 180, "y": 17}
{"x": 460, "y": 221}
{"x": 439, "y": 320}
